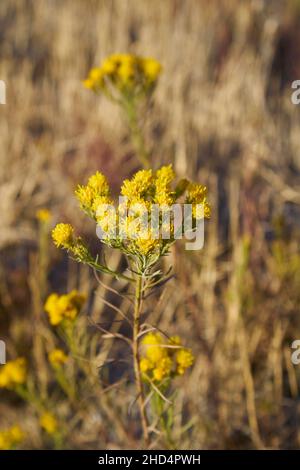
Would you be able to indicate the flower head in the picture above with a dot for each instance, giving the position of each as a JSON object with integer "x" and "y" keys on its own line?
{"x": 43, "y": 215}
{"x": 164, "y": 194}
{"x": 57, "y": 358}
{"x": 10, "y": 438}
{"x": 13, "y": 373}
{"x": 97, "y": 187}
{"x": 95, "y": 80}
{"x": 151, "y": 68}
{"x": 64, "y": 307}
{"x": 138, "y": 187}
{"x": 124, "y": 73}
{"x": 196, "y": 195}
{"x": 153, "y": 344}
{"x": 163, "y": 359}
{"x": 144, "y": 223}
{"x": 184, "y": 359}
{"x": 49, "y": 423}
{"x": 63, "y": 235}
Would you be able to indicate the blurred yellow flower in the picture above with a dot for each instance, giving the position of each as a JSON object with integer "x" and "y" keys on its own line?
{"x": 164, "y": 359}
{"x": 154, "y": 350}
{"x": 95, "y": 79}
{"x": 184, "y": 359}
{"x": 151, "y": 68}
{"x": 43, "y": 215}
{"x": 163, "y": 368}
{"x": 64, "y": 307}
{"x": 124, "y": 73}
{"x": 57, "y": 357}
{"x": 10, "y": 438}
{"x": 13, "y": 373}
{"x": 49, "y": 423}
{"x": 145, "y": 364}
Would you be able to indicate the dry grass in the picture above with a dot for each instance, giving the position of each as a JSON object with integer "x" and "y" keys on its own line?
{"x": 222, "y": 114}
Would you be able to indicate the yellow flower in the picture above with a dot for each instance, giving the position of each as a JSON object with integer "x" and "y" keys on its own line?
{"x": 143, "y": 224}
{"x": 124, "y": 73}
{"x": 99, "y": 183}
{"x": 101, "y": 201}
{"x": 49, "y": 423}
{"x": 57, "y": 357}
{"x": 151, "y": 68}
{"x": 164, "y": 195}
{"x": 154, "y": 348}
{"x": 63, "y": 235}
{"x": 64, "y": 307}
{"x": 95, "y": 80}
{"x": 164, "y": 359}
{"x": 163, "y": 368}
{"x": 145, "y": 364}
{"x": 51, "y": 307}
{"x": 10, "y": 438}
{"x": 108, "y": 66}
{"x": 175, "y": 340}
{"x": 145, "y": 246}
{"x": 13, "y": 373}
{"x": 85, "y": 196}
{"x": 43, "y": 215}
{"x": 184, "y": 359}
{"x": 88, "y": 83}
{"x": 196, "y": 194}
{"x": 88, "y": 195}
{"x": 138, "y": 186}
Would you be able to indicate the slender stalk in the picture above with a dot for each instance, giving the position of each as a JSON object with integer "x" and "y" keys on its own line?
{"x": 136, "y": 358}
{"x": 136, "y": 134}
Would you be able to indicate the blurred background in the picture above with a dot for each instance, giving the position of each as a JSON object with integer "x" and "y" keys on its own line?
{"x": 222, "y": 114}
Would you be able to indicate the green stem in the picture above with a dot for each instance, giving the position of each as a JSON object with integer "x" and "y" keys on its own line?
{"x": 158, "y": 408}
{"x": 136, "y": 133}
{"x": 136, "y": 358}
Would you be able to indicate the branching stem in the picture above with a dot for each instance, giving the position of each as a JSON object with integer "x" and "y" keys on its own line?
{"x": 136, "y": 358}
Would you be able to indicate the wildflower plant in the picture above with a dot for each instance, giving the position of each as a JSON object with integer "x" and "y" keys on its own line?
{"x": 153, "y": 210}
{"x": 15, "y": 377}
{"x": 130, "y": 227}
{"x": 128, "y": 80}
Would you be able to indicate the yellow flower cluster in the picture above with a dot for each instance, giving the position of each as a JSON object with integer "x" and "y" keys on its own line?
{"x": 142, "y": 192}
{"x": 64, "y": 307}
{"x": 49, "y": 423}
{"x": 96, "y": 192}
{"x": 10, "y": 438}
{"x": 64, "y": 237}
{"x": 57, "y": 358}
{"x": 126, "y": 72}
{"x": 129, "y": 225}
{"x": 43, "y": 215}
{"x": 13, "y": 373}
{"x": 164, "y": 359}
{"x": 196, "y": 194}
